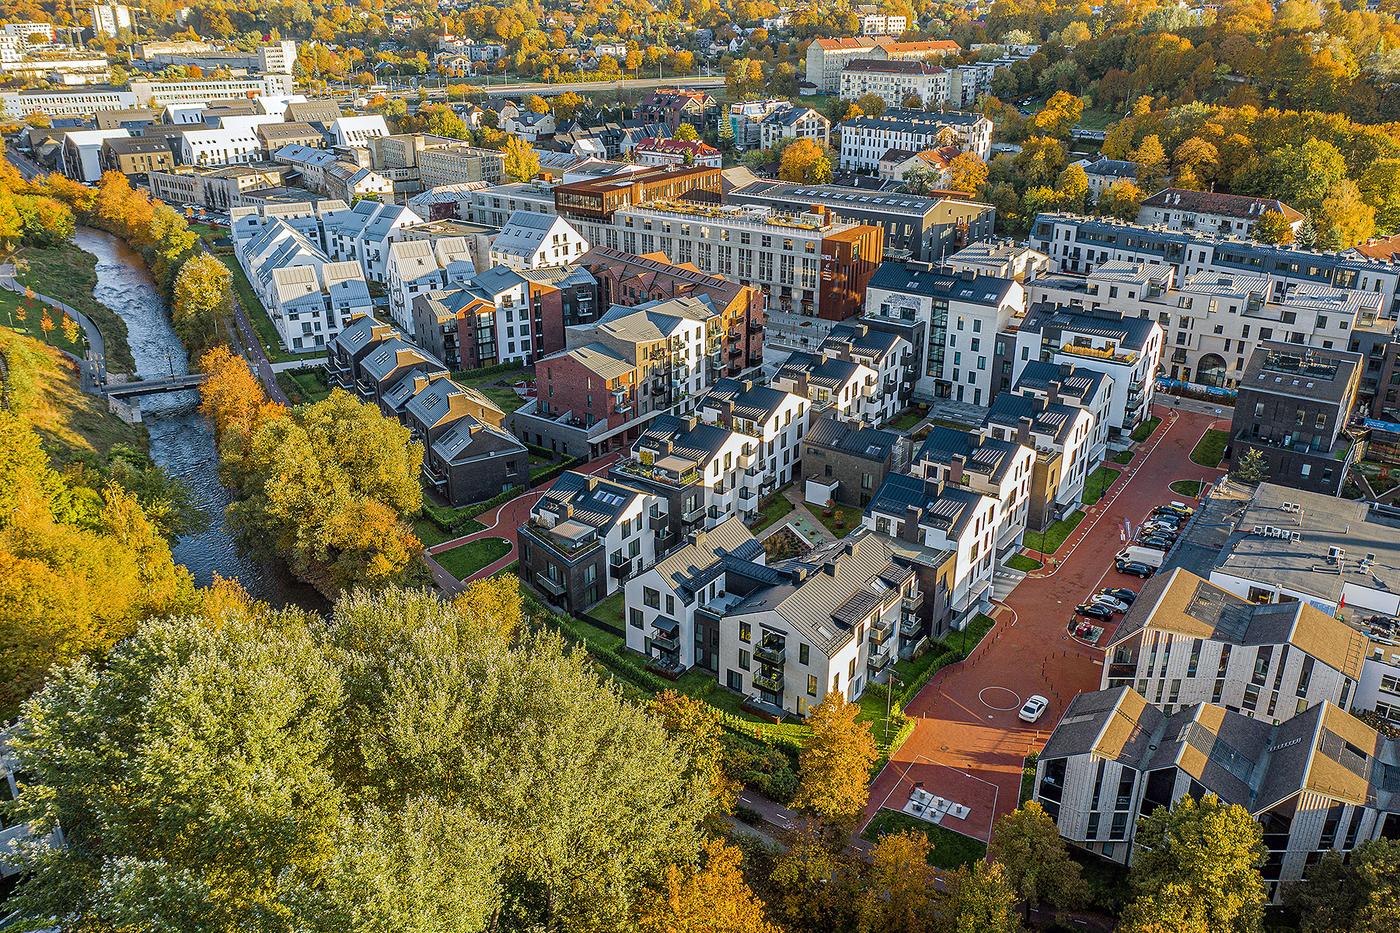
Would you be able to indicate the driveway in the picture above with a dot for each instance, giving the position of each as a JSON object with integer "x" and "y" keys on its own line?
{"x": 968, "y": 744}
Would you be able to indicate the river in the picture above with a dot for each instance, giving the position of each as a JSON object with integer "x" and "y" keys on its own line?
{"x": 182, "y": 442}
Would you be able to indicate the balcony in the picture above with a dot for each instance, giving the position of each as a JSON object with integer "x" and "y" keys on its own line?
{"x": 433, "y": 475}
{"x": 620, "y": 566}
{"x": 694, "y": 513}
{"x": 770, "y": 653}
{"x": 910, "y": 626}
{"x": 914, "y": 601}
{"x": 881, "y": 630}
{"x": 1123, "y": 671}
{"x": 1110, "y": 352}
{"x": 878, "y": 662}
{"x": 550, "y": 585}
{"x": 768, "y": 682}
{"x": 670, "y": 644}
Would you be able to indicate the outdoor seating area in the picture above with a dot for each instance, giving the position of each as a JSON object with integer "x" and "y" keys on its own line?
{"x": 932, "y": 808}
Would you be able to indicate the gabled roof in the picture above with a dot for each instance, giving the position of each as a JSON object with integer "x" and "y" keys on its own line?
{"x": 945, "y": 508}
{"x": 870, "y": 443}
{"x": 919, "y": 278}
{"x": 751, "y": 402}
{"x": 985, "y": 455}
{"x": 596, "y": 501}
{"x": 1240, "y": 206}
{"x": 691, "y": 567}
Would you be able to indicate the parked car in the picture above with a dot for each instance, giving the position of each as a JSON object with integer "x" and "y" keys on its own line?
{"x": 1180, "y": 508}
{"x": 1103, "y": 599}
{"x": 1133, "y": 568}
{"x": 1158, "y": 541}
{"x": 1035, "y": 708}
{"x": 1120, "y": 593}
{"x": 1094, "y": 611}
{"x": 1162, "y": 524}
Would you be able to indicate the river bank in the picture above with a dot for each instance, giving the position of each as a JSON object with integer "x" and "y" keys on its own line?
{"x": 181, "y": 440}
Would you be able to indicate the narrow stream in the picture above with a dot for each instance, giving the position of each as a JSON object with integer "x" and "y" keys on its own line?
{"x": 182, "y": 442}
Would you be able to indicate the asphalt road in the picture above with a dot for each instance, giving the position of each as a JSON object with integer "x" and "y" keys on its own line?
{"x": 545, "y": 89}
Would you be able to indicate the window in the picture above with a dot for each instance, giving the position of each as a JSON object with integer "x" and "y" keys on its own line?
{"x": 651, "y": 598}
{"x": 811, "y": 683}
{"x": 804, "y": 653}
{"x": 634, "y": 617}
{"x": 745, "y": 632}
{"x": 743, "y": 659}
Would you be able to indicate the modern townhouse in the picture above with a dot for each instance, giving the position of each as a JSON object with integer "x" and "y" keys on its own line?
{"x": 364, "y": 232}
{"x": 889, "y": 355}
{"x": 734, "y": 337}
{"x": 485, "y": 321}
{"x": 950, "y": 319}
{"x": 1186, "y": 641}
{"x": 1002, "y": 257}
{"x": 467, "y": 456}
{"x": 700, "y": 471}
{"x": 358, "y": 130}
{"x": 845, "y": 388}
{"x": 866, "y": 139}
{"x": 533, "y": 241}
{"x": 924, "y": 229}
{"x": 845, "y": 462}
{"x": 136, "y": 156}
{"x": 276, "y": 136}
{"x": 1127, "y": 351}
{"x": 897, "y": 83}
{"x": 775, "y": 419}
{"x": 1293, "y": 407}
{"x": 793, "y": 123}
{"x": 238, "y": 145}
{"x": 826, "y": 623}
{"x": 672, "y": 107}
{"x": 80, "y": 155}
{"x": 944, "y": 517}
{"x": 415, "y": 267}
{"x": 586, "y": 535}
{"x": 391, "y": 361}
{"x": 746, "y": 120}
{"x": 1062, "y": 436}
{"x": 986, "y": 464}
{"x": 1080, "y": 244}
{"x": 361, "y": 334}
{"x": 675, "y": 609}
{"x": 1321, "y": 781}
{"x": 1212, "y": 211}
{"x": 1086, "y": 389}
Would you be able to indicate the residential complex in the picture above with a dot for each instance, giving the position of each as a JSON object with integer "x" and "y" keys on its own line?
{"x": 866, "y": 139}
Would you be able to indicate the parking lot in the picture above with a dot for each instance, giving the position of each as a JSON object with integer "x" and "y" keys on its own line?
{"x": 968, "y": 721}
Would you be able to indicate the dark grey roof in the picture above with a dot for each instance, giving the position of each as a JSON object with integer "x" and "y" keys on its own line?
{"x": 919, "y": 278}
{"x": 695, "y": 441}
{"x": 943, "y": 507}
{"x": 988, "y": 455}
{"x": 751, "y": 402}
{"x": 870, "y": 443}
{"x": 1074, "y": 381}
{"x": 1112, "y": 168}
{"x": 828, "y": 372}
{"x": 1130, "y": 332}
{"x": 1008, "y": 408}
{"x": 596, "y": 501}
{"x": 865, "y": 343}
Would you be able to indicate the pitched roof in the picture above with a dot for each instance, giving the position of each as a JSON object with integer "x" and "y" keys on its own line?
{"x": 870, "y": 443}
{"x": 1215, "y": 202}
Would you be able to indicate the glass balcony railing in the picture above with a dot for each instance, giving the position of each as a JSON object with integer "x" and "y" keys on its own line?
{"x": 767, "y": 682}
{"x": 770, "y": 653}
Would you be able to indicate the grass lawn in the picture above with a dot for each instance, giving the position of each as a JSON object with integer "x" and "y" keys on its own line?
{"x": 432, "y": 534}
{"x": 948, "y": 849}
{"x": 304, "y": 385}
{"x": 1097, "y": 484}
{"x": 70, "y": 274}
{"x": 257, "y": 315}
{"x": 467, "y": 559}
{"x": 906, "y": 419}
{"x": 1097, "y": 119}
{"x": 1123, "y": 456}
{"x": 1027, "y": 778}
{"x": 1023, "y": 563}
{"x": 849, "y": 516}
{"x": 1143, "y": 431}
{"x": 1187, "y": 487}
{"x": 1210, "y": 449}
{"x": 771, "y": 510}
{"x": 611, "y": 609}
{"x": 1049, "y": 540}
{"x": 12, "y": 306}
{"x": 505, "y": 398}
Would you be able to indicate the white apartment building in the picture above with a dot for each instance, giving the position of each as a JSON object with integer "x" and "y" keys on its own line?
{"x": 234, "y": 146}
{"x": 277, "y": 57}
{"x": 455, "y": 165}
{"x": 1068, "y": 384}
{"x": 108, "y": 19}
{"x": 793, "y": 123}
{"x": 777, "y": 420}
{"x": 1079, "y": 244}
{"x": 83, "y": 103}
{"x": 938, "y": 514}
{"x": 1063, "y": 437}
{"x": 26, "y": 31}
{"x": 986, "y": 464}
{"x": 701, "y": 468}
{"x": 866, "y": 139}
{"x": 847, "y": 387}
{"x": 883, "y": 24}
{"x": 165, "y": 93}
{"x": 80, "y": 156}
{"x": 534, "y": 241}
{"x": 363, "y": 234}
{"x": 890, "y": 357}
{"x": 357, "y": 131}
{"x": 493, "y": 206}
{"x": 895, "y": 82}
{"x": 415, "y": 267}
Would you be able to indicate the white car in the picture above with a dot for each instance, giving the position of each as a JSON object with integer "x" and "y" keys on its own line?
{"x": 1108, "y": 602}
{"x": 1035, "y": 708}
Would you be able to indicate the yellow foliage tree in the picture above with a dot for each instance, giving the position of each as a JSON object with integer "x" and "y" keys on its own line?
{"x": 713, "y": 898}
{"x": 804, "y": 161}
{"x": 834, "y": 767}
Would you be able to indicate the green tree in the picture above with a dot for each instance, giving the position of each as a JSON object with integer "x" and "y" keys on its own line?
{"x": 898, "y": 891}
{"x": 1036, "y": 860}
{"x": 1358, "y": 895}
{"x": 1198, "y": 863}
{"x": 686, "y": 133}
{"x": 1344, "y": 219}
{"x": 834, "y": 766}
{"x": 201, "y": 307}
{"x": 1272, "y": 227}
{"x": 521, "y": 163}
{"x": 1152, "y": 163}
{"x": 870, "y": 104}
{"x": 1252, "y": 468}
{"x": 980, "y": 900}
{"x": 1302, "y": 176}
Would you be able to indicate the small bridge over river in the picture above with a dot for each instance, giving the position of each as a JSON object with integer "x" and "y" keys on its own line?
{"x": 139, "y": 387}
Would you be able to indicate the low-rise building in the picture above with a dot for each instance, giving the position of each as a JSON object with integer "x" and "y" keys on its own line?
{"x": 788, "y": 123}
{"x": 1062, "y": 436}
{"x": 358, "y": 130}
{"x": 533, "y": 241}
{"x": 845, "y": 462}
{"x": 846, "y": 388}
{"x": 1103, "y": 173}
{"x": 866, "y": 139}
{"x": 651, "y": 151}
{"x": 136, "y": 155}
{"x": 1212, "y": 211}
{"x": 986, "y": 464}
{"x": 80, "y": 155}
{"x": 888, "y": 355}
{"x": 275, "y": 136}
{"x": 777, "y": 420}
{"x": 455, "y": 165}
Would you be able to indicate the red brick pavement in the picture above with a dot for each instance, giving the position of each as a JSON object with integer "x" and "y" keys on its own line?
{"x": 967, "y": 720}
{"x": 501, "y": 522}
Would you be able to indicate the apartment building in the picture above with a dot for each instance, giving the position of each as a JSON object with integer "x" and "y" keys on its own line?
{"x": 944, "y": 517}
{"x": 485, "y": 321}
{"x": 364, "y": 232}
{"x": 670, "y": 152}
{"x": 845, "y": 462}
{"x": 1127, "y": 351}
{"x": 746, "y": 120}
{"x": 534, "y": 241}
{"x": 1318, "y": 782}
{"x": 357, "y": 130}
{"x": 895, "y": 82}
{"x": 1187, "y": 641}
{"x": 350, "y": 182}
{"x": 985, "y": 464}
{"x": 734, "y": 337}
{"x": 827, "y": 57}
{"x": 950, "y": 319}
{"x": 1087, "y": 389}
{"x": 166, "y": 93}
{"x": 999, "y": 256}
{"x": 845, "y": 388}
{"x": 1103, "y": 173}
{"x": 17, "y": 105}
{"x": 455, "y": 165}
{"x": 586, "y": 535}
{"x": 674, "y": 609}
{"x": 1293, "y": 407}
{"x": 774, "y": 419}
{"x": 224, "y": 146}
{"x": 1212, "y": 211}
{"x": 671, "y": 107}
{"x": 136, "y": 155}
{"x": 866, "y": 139}
{"x": 793, "y": 123}
{"x": 275, "y": 136}
{"x": 1081, "y": 244}
{"x": 80, "y": 153}
{"x": 415, "y": 267}
{"x": 221, "y": 188}
{"x": 888, "y": 355}
{"x": 924, "y": 229}
{"x": 808, "y": 264}
{"x": 883, "y": 24}
{"x": 1062, "y": 436}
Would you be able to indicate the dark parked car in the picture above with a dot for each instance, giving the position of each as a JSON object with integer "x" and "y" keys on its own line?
{"x": 1095, "y": 612}
{"x": 1134, "y": 568}
{"x": 1120, "y": 593}
{"x": 1161, "y": 542}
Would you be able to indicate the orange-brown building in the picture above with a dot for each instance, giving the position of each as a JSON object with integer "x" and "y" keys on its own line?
{"x": 597, "y": 199}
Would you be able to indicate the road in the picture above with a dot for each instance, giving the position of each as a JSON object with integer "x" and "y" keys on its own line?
{"x": 547, "y": 90}
{"x": 26, "y": 166}
{"x": 968, "y": 744}
{"x": 504, "y": 522}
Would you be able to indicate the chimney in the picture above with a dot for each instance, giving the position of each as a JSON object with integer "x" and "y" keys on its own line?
{"x": 801, "y": 385}
{"x": 690, "y": 423}
{"x": 726, "y": 412}
{"x": 1052, "y": 392}
{"x": 955, "y": 469}
{"x": 1023, "y": 432}
{"x": 855, "y": 424}
{"x": 909, "y": 530}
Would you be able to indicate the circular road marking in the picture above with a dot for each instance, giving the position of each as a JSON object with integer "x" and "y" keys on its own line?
{"x": 1015, "y": 700}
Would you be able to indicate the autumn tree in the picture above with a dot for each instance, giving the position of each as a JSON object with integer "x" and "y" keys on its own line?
{"x": 1358, "y": 894}
{"x": 1273, "y": 228}
{"x": 834, "y": 766}
{"x": 568, "y": 104}
{"x": 201, "y": 307}
{"x": 534, "y": 103}
{"x": 1198, "y": 862}
{"x": 1122, "y": 199}
{"x": 805, "y": 161}
{"x": 1252, "y": 468}
{"x": 870, "y": 104}
{"x": 898, "y": 890}
{"x": 711, "y": 898}
{"x": 1072, "y": 188}
{"x": 744, "y": 79}
{"x": 1035, "y": 858}
{"x": 686, "y": 133}
{"x": 521, "y": 163}
{"x": 1059, "y": 115}
{"x": 1152, "y": 163}
{"x": 1344, "y": 218}
{"x": 1380, "y": 186}
{"x": 966, "y": 173}
{"x": 816, "y": 886}
{"x": 980, "y": 899}
{"x": 494, "y": 604}
{"x": 696, "y": 725}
